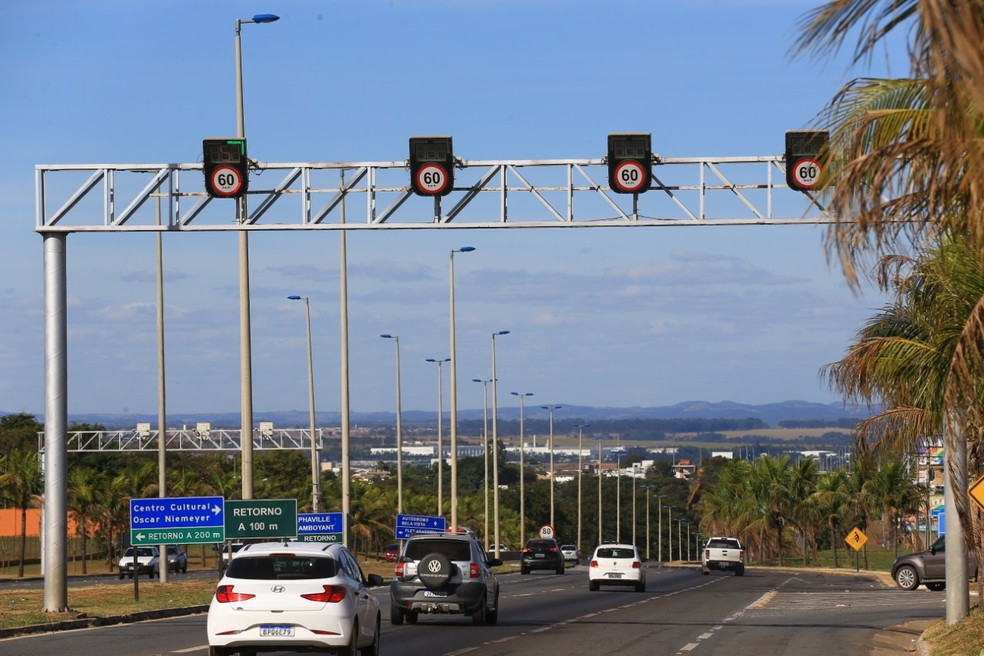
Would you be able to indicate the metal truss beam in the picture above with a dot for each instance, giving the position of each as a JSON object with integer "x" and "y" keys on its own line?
{"x": 187, "y": 440}
{"x": 486, "y": 194}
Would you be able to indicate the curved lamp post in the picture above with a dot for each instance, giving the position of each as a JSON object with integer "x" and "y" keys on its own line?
{"x": 454, "y": 396}
{"x": 522, "y": 467}
{"x": 399, "y": 427}
{"x": 580, "y": 470}
{"x": 315, "y": 464}
{"x": 485, "y": 451}
{"x": 550, "y": 409}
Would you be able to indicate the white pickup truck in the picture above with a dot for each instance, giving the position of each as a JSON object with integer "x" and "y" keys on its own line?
{"x": 723, "y": 553}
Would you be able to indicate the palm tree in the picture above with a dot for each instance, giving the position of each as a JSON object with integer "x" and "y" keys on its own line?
{"x": 84, "y": 485}
{"x": 22, "y": 484}
{"x": 827, "y": 504}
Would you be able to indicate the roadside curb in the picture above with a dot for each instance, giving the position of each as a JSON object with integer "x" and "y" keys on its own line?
{"x": 89, "y": 622}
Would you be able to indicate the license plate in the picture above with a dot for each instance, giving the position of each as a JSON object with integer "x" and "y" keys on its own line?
{"x": 614, "y": 575}
{"x": 429, "y": 593}
{"x": 539, "y": 555}
{"x": 276, "y": 631}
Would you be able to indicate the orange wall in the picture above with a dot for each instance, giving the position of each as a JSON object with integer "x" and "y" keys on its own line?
{"x": 10, "y": 523}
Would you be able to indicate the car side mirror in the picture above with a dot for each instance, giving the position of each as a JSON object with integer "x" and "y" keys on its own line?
{"x": 932, "y": 550}
{"x": 375, "y": 581}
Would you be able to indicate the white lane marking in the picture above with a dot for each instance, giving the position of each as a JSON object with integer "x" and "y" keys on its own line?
{"x": 190, "y": 649}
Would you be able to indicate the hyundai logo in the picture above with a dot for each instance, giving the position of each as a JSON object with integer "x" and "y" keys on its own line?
{"x": 277, "y": 588}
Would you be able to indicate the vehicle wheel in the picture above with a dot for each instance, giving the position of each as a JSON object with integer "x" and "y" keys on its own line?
{"x": 184, "y": 570}
{"x": 372, "y": 649}
{"x": 936, "y": 587}
{"x": 560, "y": 570}
{"x": 593, "y": 586}
{"x": 352, "y": 649}
{"x": 130, "y": 575}
{"x": 216, "y": 651}
{"x": 396, "y": 614}
{"x": 411, "y": 617}
{"x": 705, "y": 571}
{"x": 435, "y": 571}
{"x": 640, "y": 587}
{"x": 122, "y": 575}
{"x": 492, "y": 616}
{"x": 479, "y": 616}
{"x": 740, "y": 571}
{"x": 907, "y": 578}
{"x": 524, "y": 571}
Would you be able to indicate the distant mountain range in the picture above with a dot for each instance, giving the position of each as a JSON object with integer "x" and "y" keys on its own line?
{"x": 771, "y": 414}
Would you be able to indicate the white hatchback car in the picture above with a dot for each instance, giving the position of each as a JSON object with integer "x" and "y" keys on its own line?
{"x": 616, "y": 564}
{"x": 299, "y": 596}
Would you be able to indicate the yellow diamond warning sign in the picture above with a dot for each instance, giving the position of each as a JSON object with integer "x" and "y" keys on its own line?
{"x": 856, "y": 539}
{"x": 976, "y": 492}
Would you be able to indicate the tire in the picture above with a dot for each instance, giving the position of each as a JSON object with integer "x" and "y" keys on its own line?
{"x": 216, "y": 651}
{"x": 373, "y": 648}
{"x": 560, "y": 570}
{"x": 640, "y": 587}
{"x": 705, "y": 571}
{"x": 593, "y": 586}
{"x": 479, "y": 617}
{"x": 936, "y": 587}
{"x": 122, "y": 575}
{"x": 434, "y": 571}
{"x": 907, "y": 577}
{"x": 396, "y": 614}
{"x": 492, "y": 616}
{"x": 411, "y": 617}
{"x": 352, "y": 649}
{"x": 523, "y": 571}
{"x": 184, "y": 570}
{"x": 740, "y": 571}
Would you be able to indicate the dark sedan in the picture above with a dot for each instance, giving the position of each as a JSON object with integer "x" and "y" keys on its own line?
{"x": 541, "y": 553}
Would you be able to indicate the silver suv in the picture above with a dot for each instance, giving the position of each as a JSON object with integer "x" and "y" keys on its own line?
{"x": 444, "y": 573}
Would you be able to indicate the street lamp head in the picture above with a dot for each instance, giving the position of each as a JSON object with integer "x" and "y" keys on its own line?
{"x": 265, "y": 18}
{"x": 501, "y": 332}
{"x": 464, "y": 249}
{"x": 294, "y": 297}
{"x": 387, "y": 336}
{"x": 438, "y": 360}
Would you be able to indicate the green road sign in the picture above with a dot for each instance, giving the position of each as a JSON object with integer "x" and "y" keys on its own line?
{"x": 260, "y": 518}
{"x": 176, "y": 535}
{"x": 324, "y": 537}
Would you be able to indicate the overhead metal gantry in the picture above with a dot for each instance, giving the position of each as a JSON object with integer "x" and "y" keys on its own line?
{"x": 171, "y": 198}
{"x": 377, "y": 195}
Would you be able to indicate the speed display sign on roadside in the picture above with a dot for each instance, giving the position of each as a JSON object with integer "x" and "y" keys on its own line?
{"x": 226, "y": 181}
{"x": 630, "y": 177}
{"x": 431, "y": 179}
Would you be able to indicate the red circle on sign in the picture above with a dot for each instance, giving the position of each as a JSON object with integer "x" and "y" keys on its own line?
{"x": 630, "y": 176}
{"x": 226, "y": 181}
{"x": 806, "y": 172}
{"x": 432, "y": 179}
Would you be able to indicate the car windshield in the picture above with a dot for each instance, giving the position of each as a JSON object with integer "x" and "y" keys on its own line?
{"x": 722, "y": 544}
{"x": 286, "y": 566}
{"x": 615, "y": 552}
{"x": 541, "y": 544}
{"x": 453, "y": 549}
{"x": 142, "y": 552}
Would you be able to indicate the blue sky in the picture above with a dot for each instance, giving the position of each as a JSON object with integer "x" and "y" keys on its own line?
{"x": 602, "y": 317}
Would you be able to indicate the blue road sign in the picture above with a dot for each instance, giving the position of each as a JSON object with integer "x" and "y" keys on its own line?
{"x": 183, "y": 520}
{"x": 407, "y": 525}
{"x": 319, "y": 523}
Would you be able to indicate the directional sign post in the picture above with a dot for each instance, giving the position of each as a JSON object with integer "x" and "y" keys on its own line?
{"x": 261, "y": 518}
{"x": 178, "y": 520}
{"x": 319, "y": 527}
{"x": 407, "y": 525}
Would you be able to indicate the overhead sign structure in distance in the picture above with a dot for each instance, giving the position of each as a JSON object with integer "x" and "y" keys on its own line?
{"x": 261, "y": 518}
{"x": 407, "y": 525}
{"x": 177, "y": 520}
{"x": 630, "y": 159}
{"x": 226, "y": 167}
{"x": 319, "y": 527}
{"x": 431, "y": 166}
{"x": 804, "y": 152}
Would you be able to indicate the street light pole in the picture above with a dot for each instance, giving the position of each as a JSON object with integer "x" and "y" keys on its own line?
{"x": 495, "y": 445}
{"x": 399, "y": 427}
{"x": 440, "y": 437}
{"x": 454, "y": 394}
{"x": 599, "y": 494}
{"x": 315, "y": 464}
{"x": 659, "y": 529}
{"x": 485, "y": 451}
{"x": 522, "y": 466}
{"x": 245, "y": 349}
{"x": 669, "y": 532}
{"x": 580, "y": 471}
{"x": 550, "y": 409}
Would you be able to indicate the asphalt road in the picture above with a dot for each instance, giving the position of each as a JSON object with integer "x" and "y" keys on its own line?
{"x": 680, "y": 613}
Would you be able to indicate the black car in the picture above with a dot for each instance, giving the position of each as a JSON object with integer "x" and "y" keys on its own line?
{"x": 444, "y": 573}
{"x": 927, "y": 567}
{"x": 541, "y": 553}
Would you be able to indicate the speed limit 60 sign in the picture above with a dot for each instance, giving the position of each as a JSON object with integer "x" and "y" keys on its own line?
{"x": 805, "y": 149}
{"x": 225, "y": 181}
{"x": 431, "y": 166}
{"x": 630, "y": 157}
{"x": 431, "y": 179}
{"x": 225, "y": 166}
{"x": 630, "y": 177}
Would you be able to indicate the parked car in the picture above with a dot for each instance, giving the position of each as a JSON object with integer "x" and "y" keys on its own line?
{"x": 148, "y": 561}
{"x": 571, "y": 554}
{"x": 294, "y": 596}
{"x": 391, "y": 552}
{"x": 444, "y": 573}
{"x": 541, "y": 553}
{"x": 177, "y": 559}
{"x": 927, "y": 568}
{"x": 616, "y": 564}
{"x": 502, "y": 547}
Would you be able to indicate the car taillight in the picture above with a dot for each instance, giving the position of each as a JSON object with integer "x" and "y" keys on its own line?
{"x": 224, "y": 594}
{"x": 594, "y": 563}
{"x": 332, "y": 594}
{"x": 707, "y": 554}
{"x": 553, "y": 549}
{"x": 636, "y": 564}
{"x": 474, "y": 572}
{"x": 741, "y": 556}
{"x": 399, "y": 570}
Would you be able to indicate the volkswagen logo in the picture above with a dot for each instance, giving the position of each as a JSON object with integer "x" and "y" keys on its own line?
{"x": 434, "y": 566}
{"x": 277, "y": 588}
